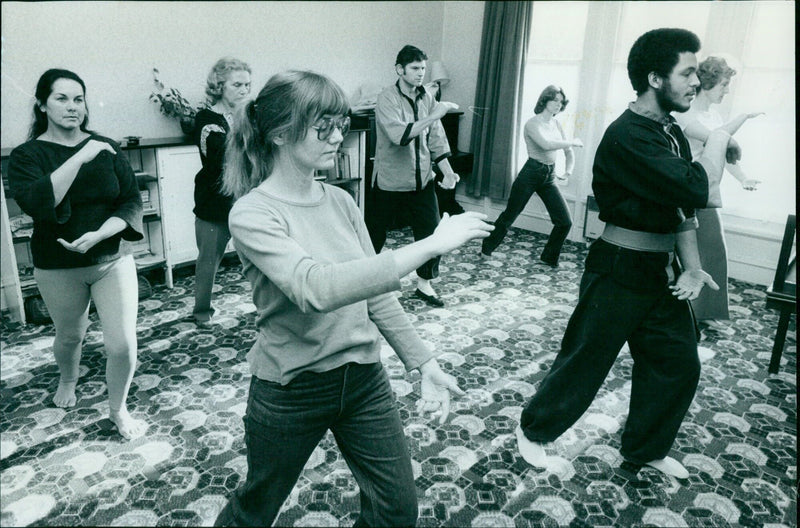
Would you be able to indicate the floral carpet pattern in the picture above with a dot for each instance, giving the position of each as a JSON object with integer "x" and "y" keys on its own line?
{"x": 498, "y": 333}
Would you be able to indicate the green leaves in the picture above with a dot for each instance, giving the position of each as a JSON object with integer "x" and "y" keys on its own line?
{"x": 171, "y": 101}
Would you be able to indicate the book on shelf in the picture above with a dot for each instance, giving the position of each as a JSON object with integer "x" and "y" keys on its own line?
{"x": 340, "y": 171}
{"x": 343, "y": 166}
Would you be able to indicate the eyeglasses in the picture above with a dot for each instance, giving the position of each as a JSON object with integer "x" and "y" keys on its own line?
{"x": 325, "y": 126}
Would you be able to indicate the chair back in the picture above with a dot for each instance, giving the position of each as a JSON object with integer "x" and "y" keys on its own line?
{"x": 786, "y": 273}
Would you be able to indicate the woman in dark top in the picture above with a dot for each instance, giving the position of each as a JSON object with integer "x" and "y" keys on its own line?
{"x": 227, "y": 86}
{"x": 83, "y": 198}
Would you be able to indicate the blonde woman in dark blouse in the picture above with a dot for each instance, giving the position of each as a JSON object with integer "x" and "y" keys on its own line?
{"x": 84, "y": 199}
{"x": 228, "y": 84}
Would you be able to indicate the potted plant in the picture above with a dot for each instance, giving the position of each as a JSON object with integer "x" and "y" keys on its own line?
{"x": 173, "y": 104}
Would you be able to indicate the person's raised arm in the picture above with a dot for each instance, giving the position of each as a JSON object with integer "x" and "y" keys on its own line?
{"x": 389, "y": 117}
{"x": 320, "y": 286}
{"x": 452, "y": 232}
{"x": 534, "y": 132}
{"x": 569, "y": 157}
{"x": 63, "y": 176}
{"x": 437, "y": 112}
{"x": 748, "y": 184}
{"x": 713, "y": 161}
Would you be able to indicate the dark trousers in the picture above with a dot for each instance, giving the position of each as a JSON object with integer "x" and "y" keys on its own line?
{"x": 284, "y": 423}
{"x": 446, "y": 200}
{"x": 535, "y": 177}
{"x": 418, "y": 209}
{"x": 660, "y": 332}
{"x": 212, "y": 238}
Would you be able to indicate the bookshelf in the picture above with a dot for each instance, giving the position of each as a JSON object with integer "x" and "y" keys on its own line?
{"x": 349, "y": 166}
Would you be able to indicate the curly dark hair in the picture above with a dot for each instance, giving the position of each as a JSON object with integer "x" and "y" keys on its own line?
{"x": 658, "y": 51}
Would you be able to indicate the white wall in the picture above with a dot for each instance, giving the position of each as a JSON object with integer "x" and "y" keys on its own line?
{"x": 461, "y": 50}
{"x": 114, "y": 45}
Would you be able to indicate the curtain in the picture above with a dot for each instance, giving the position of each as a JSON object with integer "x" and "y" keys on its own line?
{"x": 496, "y": 123}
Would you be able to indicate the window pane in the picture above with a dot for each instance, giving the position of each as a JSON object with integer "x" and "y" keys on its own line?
{"x": 620, "y": 94}
{"x": 640, "y": 17}
{"x": 557, "y": 30}
{"x": 768, "y": 145}
{"x": 770, "y": 42}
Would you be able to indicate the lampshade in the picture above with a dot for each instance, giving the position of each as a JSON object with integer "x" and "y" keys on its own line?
{"x": 439, "y": 73}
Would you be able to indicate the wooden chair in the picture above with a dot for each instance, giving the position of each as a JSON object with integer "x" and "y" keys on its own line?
{"x": 782, "y": 295}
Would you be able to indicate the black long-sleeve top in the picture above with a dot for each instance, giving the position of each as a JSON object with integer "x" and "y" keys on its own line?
{"x": 210, "y": 131}
{"x": 640, "y": 183}
{"x": 104, "y": 187}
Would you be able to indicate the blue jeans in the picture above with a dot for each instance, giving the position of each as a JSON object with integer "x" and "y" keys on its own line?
{"x": 284, "y": 423}
{"x": 535, "y": 177}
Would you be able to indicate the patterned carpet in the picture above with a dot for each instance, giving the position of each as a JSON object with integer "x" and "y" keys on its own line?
{"x": 499, "y": 332}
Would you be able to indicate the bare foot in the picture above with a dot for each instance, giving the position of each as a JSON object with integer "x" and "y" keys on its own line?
{"x": 65, "y": 394}
{"x": 127, "y": 426}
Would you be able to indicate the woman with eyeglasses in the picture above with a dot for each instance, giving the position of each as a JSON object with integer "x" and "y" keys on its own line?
{"x": 323, "y": 300}
{"x": 84, "y": 198}
{"x": 227, "y": 86}
{"x": 544, "y": 137}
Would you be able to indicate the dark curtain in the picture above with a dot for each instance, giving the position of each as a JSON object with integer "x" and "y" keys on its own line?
{"x": 496, "y": 123}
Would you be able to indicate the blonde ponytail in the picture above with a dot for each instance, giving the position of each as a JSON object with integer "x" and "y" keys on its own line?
{"x": 248, "y": 159}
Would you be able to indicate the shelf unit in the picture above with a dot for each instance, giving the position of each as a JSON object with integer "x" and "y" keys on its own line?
{"x": 148, "y": 253}
{"x": 354, "y": 148}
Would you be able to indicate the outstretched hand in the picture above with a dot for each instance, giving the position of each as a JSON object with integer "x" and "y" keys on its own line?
{"x": 441, "y": 108}
{"x": 690, "y": 283}
{"x": 750, "y": 184}
{"x": 83, "y": 243}
{"x": 435, "y": 390}
{"x": 455, "y": 231}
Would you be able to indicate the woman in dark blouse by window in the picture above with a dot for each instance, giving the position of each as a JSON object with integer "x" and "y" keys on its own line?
{"x": 83, "y": 198}
{"x": 227, "y": 86}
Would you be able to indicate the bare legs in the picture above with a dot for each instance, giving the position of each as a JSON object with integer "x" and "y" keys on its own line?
{"x": 114, "y": 289}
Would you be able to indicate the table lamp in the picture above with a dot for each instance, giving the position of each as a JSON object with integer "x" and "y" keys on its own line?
{"x": 440, "y": 76}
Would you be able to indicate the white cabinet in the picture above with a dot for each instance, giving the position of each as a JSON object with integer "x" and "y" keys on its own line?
{"x": 177, "y": 167}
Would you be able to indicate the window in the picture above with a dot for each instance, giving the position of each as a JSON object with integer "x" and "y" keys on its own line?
{"x": 571, "y": 41}
{"x": 555, "y": 53}
{"x": 765, "y": 82}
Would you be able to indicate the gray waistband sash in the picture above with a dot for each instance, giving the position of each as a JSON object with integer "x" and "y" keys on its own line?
{"x": 638, "y": 240}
